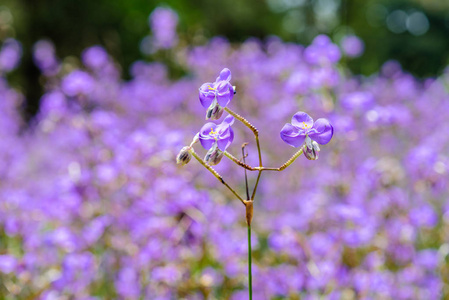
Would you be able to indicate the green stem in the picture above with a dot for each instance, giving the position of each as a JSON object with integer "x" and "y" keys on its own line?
{"x": 256, "y": 184}
{"x": 250, "y": 277}
{"x": 215, "y": 173}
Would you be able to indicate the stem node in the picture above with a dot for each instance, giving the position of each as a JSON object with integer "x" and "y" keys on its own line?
{"x": 249, "y": 211}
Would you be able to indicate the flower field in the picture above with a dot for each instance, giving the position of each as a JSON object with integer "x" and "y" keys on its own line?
{"x": 94, "y": 206}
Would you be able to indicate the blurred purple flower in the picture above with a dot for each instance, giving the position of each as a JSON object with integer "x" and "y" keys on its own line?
{"x": 427, "y": 259}
{"x": 44, "y": 55}
{"x": 322, "y": 51}
{"x": 167, "y": 274}
{"x": 302, "y": 126}
{"x": 10, "y": 55}
{"x": 163, "y": 22}
{"x": 127, "y": 283}
{"x": 352, "y": 46}
{"x": 423, "y": 215}
{"x": 8, "y": 263}
{"x": 95, "y": 57}
{"x": 76, "y": 83}
{"x": 358, "y": 101}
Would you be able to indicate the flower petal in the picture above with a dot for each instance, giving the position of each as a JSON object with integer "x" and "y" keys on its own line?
{"x": 225, "y": 139}
{"x": 292, "y": 135}
{"x": 206, "y": 95}
{"x": 228, "y": 120}
{"x": 225, "y": 74}
{"x": 205, "y": 138}
{"x": 322, "y": 131}
{"x": 225, "y": 98}
{"x": 300, "y": 119}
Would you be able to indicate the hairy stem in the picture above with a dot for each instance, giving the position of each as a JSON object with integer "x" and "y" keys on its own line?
{"x": 215, "y": 173}
{"x": 239, "y": 162}
{"x": 291, "y": 160}
{"x": 250, "y": 168}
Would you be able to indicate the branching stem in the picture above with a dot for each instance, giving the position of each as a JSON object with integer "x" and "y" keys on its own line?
{"x": 260, "y": 169}
{"x": 215, "y": 173}
{"x": 256, "y": 135}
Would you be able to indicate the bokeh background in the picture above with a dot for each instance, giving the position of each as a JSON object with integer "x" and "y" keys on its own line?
{"x": 98, "y": 97}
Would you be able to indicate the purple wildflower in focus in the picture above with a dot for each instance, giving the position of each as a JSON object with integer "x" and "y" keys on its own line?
{"x": 163, "y": 22}
{"x": 217, "y": 95}
{"x": 352, "y": 46}
{"x": 303, "y": 127}
{"x": 216, "y": 138}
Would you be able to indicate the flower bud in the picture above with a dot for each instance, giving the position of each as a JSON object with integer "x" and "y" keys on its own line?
{"x": 215, "y": 111}
{"x": 311, "y": 149}
{"x": 184, "y": 156}
{"x": 213, "y": 156}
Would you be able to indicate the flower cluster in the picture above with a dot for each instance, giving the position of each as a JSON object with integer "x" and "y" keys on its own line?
{"x": 92, "y": 206}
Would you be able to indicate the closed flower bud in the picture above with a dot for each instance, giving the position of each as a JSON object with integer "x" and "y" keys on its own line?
{"x": 214, "y": 112}
{"x": 311, "y": 149}
{"x": 184, "y": 156}
{"x": 213, "y": 156}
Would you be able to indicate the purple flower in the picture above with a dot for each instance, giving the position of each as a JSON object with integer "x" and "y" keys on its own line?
{"x": 10, "y": 55}
{"x": 77, "y": 82}
{"x": 322, "y": 51}
{"x": 352, "y": 46}
{"x": 8, "y": 263}
{"x": 216, "y": 138}
{"x": 302, "y": 126}
{"x": 215, "y": 96}
{"x": 163, "y": 22}
{"x": 95, "y": 57}
{"x": 44, "y": 55}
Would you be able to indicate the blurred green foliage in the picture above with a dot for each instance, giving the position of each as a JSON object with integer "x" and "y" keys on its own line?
{"x": 120, "y": 25}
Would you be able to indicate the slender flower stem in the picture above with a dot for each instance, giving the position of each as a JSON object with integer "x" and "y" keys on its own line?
{"x": 256, "y": 135}
{"x": 250, "y": 277}
{"x": 239, "y": 162}
{"x": 290, "y": 161}
{"x": 246, "y": 177}
{"x": 249, "y": 168}
{"x": 243, "y": 120}
{"x": 256, "y": 184}
{"x": 215, "y": 173}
